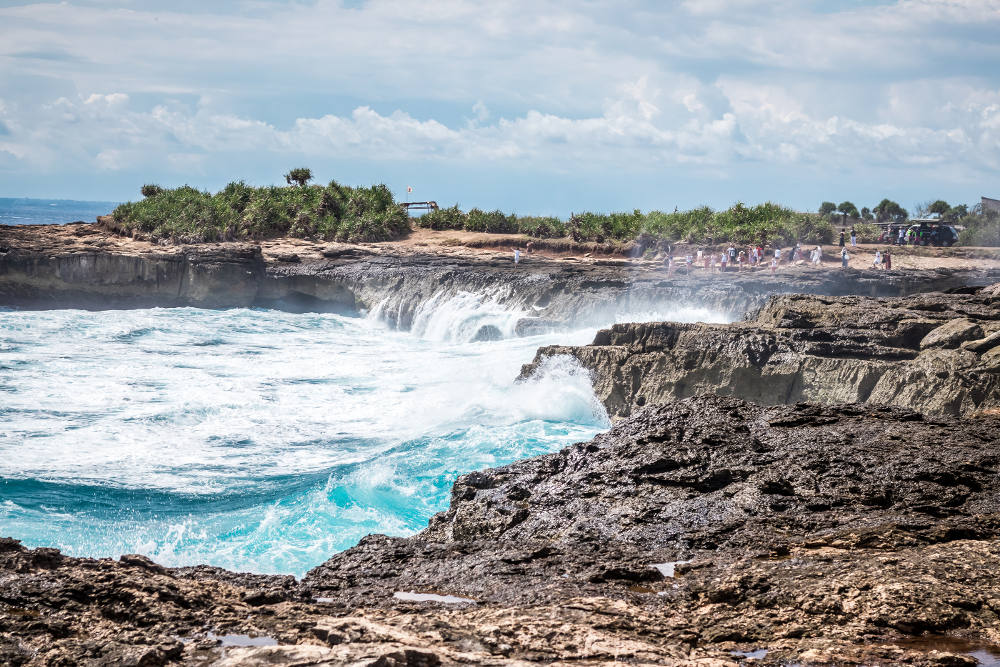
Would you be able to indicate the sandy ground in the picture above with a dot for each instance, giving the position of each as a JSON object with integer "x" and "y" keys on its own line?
{"x": 83, "y": 237}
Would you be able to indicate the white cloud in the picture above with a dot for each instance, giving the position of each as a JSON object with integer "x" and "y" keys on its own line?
{"x": 550, "y": 85}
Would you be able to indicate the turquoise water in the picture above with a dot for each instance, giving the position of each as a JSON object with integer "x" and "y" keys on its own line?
{"x": 259, "y": 440}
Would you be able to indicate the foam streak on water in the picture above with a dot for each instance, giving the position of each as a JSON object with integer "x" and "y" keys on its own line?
{"x": 261, "y": 440}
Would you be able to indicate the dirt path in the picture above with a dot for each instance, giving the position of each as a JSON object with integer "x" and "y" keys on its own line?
{"x": 87, "y": 237}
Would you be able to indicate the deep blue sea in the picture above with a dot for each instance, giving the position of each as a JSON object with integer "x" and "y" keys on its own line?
{"x": 24, "y": 211}
{"x": 265, "y": 441}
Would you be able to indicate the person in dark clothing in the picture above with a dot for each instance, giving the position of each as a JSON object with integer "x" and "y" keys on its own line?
{"x": 841, "y": 238}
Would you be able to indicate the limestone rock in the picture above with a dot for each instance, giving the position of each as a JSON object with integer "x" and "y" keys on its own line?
{"x": 896, "y": 351}
{"x": 792, "y": 530}
{"x": 952, "y": 334}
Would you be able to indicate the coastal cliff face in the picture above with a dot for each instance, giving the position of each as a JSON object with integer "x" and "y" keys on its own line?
{"x": 83, "y": 266}
{"x": 810, "y": 535}
{"x": 936, "y": 353}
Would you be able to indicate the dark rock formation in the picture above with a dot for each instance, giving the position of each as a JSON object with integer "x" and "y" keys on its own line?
{"x": 812, "y": 535}
{"x": 937, "y": 353}
{"x": 81, "y": 266}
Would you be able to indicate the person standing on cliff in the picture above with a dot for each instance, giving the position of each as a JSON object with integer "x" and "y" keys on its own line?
{"x": 854, "y": 238}
{"x": 841, "y": 238}
{"x": 843, "y": 258}
{"x": 887, "y": 259}
{"x": 517, "y": 255}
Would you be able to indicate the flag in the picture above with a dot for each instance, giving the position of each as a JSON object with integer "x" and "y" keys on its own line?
{"x": 409, "y": 189}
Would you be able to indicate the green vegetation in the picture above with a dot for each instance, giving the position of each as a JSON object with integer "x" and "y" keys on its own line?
{"x": 889, "y": 211}
{"x": 343, "y": 213}
{"x": 982, "y": 228}
{"x": 867, "y": 232}
{"x": 848, "y": 210}
{"x": 299, "y": 176}
{"x": 766, "y": 223}
{"x": 151, "y": 190}
{"x": 240, "y": 212}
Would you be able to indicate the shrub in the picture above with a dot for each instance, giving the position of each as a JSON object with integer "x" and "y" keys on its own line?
{"x": 443, "y": 218}
{"x": 151, "y": 190}
{"x": 980, "y": 230}
{"x": 546, "y": 227}
{"x": 867, "y": 232}
{"x": 494, "y": 222}
{"x": 240, "y": 211}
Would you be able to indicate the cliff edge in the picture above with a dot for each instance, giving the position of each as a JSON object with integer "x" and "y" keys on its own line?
{"x": 936, "y": 353}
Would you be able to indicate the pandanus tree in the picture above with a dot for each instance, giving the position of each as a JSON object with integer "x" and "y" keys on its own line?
{"x": 299, "y": 176}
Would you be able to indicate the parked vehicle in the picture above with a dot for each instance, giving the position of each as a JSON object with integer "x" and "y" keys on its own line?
{"x": 931, "y": 235}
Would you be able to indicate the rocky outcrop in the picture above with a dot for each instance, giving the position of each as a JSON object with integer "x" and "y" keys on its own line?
{"x": 82, "y": 266}
{"x": 937, "y": 353}
{"x": 695, "y": 533}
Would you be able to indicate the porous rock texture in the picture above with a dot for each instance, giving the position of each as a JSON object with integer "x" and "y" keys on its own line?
{"x": 937, "y": 353}
{"x": 813, "y": 535}
{"x": 83, "y": 266}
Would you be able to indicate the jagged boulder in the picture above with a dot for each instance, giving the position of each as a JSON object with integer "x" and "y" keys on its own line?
{"x": 930, "y": 352}
{"x": 952, "y": 334}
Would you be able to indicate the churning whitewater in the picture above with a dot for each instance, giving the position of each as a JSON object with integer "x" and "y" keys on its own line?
{"x": 261, "y": 440}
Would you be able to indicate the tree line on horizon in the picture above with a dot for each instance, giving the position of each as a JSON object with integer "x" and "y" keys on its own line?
{"x": 357, "y": 214}
{"x": 890, "y": 211}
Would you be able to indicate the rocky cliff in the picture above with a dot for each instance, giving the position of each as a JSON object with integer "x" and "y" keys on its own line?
{"x": 696, "y": 533}
{"x": 82, "y": 266}
{"x": 937, "y": 353}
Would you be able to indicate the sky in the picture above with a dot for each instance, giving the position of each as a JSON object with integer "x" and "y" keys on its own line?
{"x": 531, "y": 106}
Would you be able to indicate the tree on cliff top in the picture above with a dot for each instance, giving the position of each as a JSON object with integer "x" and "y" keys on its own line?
{"x": 827, "y": 207}
{"x": 940, "y": 207}
{"x": 848, "y": 210}
{"x": 299, "y": 176}
{"x": 151, "y": 190}
{"x": 888, "y": 210}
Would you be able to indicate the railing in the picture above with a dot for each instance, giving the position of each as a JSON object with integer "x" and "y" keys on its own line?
{"x": 420, "y": 205}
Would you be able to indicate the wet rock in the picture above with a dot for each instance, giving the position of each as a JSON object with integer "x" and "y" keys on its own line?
{"x": 832, "y": 532}
{"x": 137, "y": 560}
{"x": 926, "y": 352}
{"x": 41, "y": 271}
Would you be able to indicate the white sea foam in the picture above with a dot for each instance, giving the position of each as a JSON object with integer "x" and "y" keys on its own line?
{"x": 263, "y": 440}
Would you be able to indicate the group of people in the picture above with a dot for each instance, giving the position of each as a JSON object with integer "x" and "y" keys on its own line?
{"x": 854, "y": 238}
{"x": 736, "y": 258}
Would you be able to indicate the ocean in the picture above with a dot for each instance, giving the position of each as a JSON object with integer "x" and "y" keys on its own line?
{"x": 25, "y": 211}
{"x": 261, "y": 440}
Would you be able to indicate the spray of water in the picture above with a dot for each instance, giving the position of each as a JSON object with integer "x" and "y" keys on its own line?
{"x": 262, "y": 440}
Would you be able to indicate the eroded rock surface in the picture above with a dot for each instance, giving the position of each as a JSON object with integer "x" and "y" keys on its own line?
{"x": 811, "y": 535}
{"x": 83, "y": 266}
{"x": 937, "y": 353}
